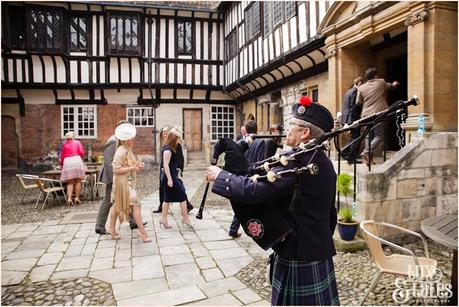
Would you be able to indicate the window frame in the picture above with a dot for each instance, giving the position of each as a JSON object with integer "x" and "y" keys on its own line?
{"x": 217, "y": 126}
{"x": 60, "y": 37}
{"x": 75, "y": 121}
{"x": 75, "y": 14}
{"x": 193, "y": 38}
{"x": 147, "y": 117}
{"x": 273, "y": 27}
{"x": 255, "y": 35}
{"x": 110, "y": 50}
{"x": 228, "y": 54}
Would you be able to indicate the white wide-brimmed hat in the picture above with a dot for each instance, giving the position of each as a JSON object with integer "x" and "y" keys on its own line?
{"x": 125, "y": 132}
{"x": 177, "y": 131}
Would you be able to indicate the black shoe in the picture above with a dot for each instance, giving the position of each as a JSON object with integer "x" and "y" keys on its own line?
{"x": 237, "y": 235}
{"x": 159, "y": 210}
{"x": 354, "y": 161}
{"x": 135, "y": 225}
{"x": 189, "y": 206}
{"x": 101, "y": 231}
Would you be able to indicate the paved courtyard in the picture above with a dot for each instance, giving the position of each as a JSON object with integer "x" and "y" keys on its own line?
{"x": 61, "y": 261}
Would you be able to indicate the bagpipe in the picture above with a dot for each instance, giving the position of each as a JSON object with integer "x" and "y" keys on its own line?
{"x": 269, "y": 216}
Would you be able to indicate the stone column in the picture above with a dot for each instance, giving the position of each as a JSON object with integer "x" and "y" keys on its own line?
{"x": 418, "y": 71}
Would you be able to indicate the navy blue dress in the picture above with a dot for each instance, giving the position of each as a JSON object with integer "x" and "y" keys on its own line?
{"x": 177, "y": 192}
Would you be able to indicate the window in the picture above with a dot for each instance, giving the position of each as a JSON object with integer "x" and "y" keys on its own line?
{"x": 232, "y": 47}
{"x": 79, "y": 119}
{"x": 252, "y": 20}
{"x": 78, "y": 33}
{"x": 125, "y": 33}
{"x": 290, "y": 9}
{"x": 222, "y": 122}
{"x": 45, "y": 29}
{"x": 17, "y": 27}
{"x": 315, "y": 95}
{"x": 276, "y": 12}
{"x": 184, "y": 38}
{"x": 140, "y": 116}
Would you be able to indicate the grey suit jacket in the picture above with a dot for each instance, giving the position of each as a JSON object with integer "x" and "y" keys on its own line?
{"x": 106, "y": 174}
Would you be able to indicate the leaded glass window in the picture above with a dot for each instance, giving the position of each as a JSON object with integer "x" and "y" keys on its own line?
{"x": 78, "y": 33}
{"x": 45, "y": 29}
{"x": 290, "y": 9}
{"x": 184, "y": 38}
{"x": 267, "y": 18}
{"x": 124, "y": 33}
{"x": 278, "y": 12}
{"x": 252, "y": 20}
{"x": 232, "y": 46}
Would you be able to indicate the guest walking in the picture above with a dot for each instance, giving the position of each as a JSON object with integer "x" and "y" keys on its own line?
{"x": 124, "y": 196}
{"x": 372, "y": 97}
{"x": 180, "y": 164}
{"x": 106, "y": 176}
{"x": 174, "y": 191}
{"x": 73, "y": 170}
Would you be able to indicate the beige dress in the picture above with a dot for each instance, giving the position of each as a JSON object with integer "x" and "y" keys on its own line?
{"x": 123, "y": 193}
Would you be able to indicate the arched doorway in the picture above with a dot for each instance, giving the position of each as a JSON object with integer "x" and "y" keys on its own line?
{"x": 9, "y": 143}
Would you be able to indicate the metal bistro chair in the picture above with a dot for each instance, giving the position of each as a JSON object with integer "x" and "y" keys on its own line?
{"x": 394, "y": 264}
{"x": 22, "y": 178}
{"x": 54, "y": 187}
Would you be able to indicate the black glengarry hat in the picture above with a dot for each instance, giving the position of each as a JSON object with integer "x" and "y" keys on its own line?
{"x": 307, "y": 111}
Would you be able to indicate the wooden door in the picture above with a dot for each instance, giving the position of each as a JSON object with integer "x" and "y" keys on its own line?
{"x": 192, "y": 119}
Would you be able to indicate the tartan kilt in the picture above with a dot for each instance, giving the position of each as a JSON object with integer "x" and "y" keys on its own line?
{"x": 304, "y": 282}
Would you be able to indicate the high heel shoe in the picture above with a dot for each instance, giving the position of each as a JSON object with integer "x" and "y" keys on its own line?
{"x": 189, "y": 224}
{"x": 77, "y": 201}
{"x": 144, "y": 238}
{"x": 114, "y": 235}
{"x": 70, "y": 202}
{"x": 161, "y": 223}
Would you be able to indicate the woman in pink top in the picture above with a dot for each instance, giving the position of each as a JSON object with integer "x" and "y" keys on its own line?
{"x": 73, "y": 170}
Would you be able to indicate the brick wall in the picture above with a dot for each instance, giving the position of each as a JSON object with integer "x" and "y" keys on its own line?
{"x": 41, "y": 131}
{"x": 9, "y": 143}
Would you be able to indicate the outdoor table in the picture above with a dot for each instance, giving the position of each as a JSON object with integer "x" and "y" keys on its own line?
{"x": 56, "y": 174}
{"x": 443, "y": 230}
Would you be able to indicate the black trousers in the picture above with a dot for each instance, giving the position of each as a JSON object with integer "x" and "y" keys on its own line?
{"x": 350, "y": 146}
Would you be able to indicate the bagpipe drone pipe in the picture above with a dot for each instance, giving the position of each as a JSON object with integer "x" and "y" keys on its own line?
{"x": 268, "y": 216}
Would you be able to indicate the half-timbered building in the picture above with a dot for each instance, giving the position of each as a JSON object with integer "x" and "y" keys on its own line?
{"x": 209, "y": 66}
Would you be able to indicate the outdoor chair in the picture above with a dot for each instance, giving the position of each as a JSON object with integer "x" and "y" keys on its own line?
{"x": 47, "y": 186}
{"x": 22, "y": 179}
{"x": 396, "y": 263}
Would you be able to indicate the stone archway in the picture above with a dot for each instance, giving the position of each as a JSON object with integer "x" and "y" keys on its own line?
{"x": 10, "y": 152}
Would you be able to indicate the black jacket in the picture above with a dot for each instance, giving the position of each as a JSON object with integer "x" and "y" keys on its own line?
{"x": 351, "y": 111}
{"x": 313, "y": 223}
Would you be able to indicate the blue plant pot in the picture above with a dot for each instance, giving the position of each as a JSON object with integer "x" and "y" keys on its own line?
{"x": 347, "y": 231}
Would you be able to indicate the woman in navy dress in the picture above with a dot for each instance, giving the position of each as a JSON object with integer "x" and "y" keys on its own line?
{"x": 174, "y": 191}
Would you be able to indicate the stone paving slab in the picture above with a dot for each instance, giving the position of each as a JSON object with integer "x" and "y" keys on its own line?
{"x": 180, "y": 296}
{"x": 181, "y": 265}
{"x": 221, "y": 300}
{"x": 136, "y": 288}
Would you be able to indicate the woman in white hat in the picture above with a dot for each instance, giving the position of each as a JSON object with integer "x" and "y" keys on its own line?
{"x": 73, "y": 168}
{"x": 124, "y": 197}
{"x": 174, "y": 191}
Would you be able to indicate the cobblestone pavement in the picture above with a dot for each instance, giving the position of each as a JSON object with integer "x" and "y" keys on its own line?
{"x": 13, "y": 211}
{"x": 200, "y": 266}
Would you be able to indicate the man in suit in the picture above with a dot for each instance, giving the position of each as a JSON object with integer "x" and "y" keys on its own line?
{"x": 303, "y": 269}
{"x": 106, "y": 176}
{"x": 371, "y": 96}
{"x": 351, "y": 113}
{"x": 256, "y": 152}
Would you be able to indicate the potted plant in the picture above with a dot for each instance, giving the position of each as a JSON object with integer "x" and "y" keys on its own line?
{"x": 347, "y": 225}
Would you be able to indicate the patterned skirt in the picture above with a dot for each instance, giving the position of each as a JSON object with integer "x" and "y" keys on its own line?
{"x": 304, "y": 283}
{"x": 73, "y": 168}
